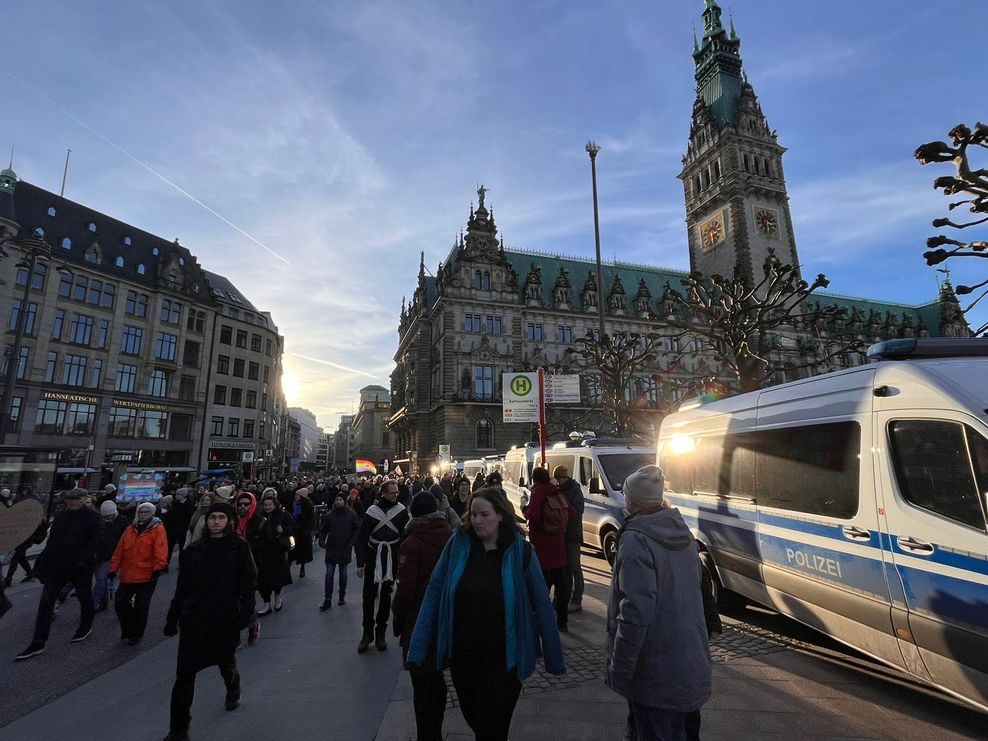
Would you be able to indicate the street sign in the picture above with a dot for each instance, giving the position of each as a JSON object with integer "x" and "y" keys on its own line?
{"x": 562, "y": 389}
{"x": 444, "y": 452}
{"x": 248, "y": 456}
{"x": 269, "y": 453}
{"x": 121, "y": 457}
{"x": 520, "y": 397}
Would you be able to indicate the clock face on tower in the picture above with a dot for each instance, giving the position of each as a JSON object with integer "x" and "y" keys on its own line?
{"x": 713, "y": 232}
{"x": 766, "y": 222}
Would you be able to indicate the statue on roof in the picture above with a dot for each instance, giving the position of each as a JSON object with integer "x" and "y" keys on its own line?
{"x": 481, "y": 194}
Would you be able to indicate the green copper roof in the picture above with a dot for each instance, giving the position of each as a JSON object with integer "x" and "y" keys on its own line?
{"x": 718, "y": 67}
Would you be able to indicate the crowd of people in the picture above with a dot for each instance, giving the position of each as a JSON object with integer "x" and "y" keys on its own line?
{"x": 444, "y": 562}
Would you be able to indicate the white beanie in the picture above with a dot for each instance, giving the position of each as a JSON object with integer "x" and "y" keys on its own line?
{"x": 645, "y": 486}
{"x": 109, "y": 487}
{"x": 223, "y": 493}
{"x": 145, "y": 505}
{"x": 108, "y": 509}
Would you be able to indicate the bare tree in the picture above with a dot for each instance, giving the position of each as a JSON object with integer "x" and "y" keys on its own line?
{"x": 966, "y": 181}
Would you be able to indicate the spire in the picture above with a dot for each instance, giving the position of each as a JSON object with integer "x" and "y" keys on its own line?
{"x": 8, "y": 215}
{"x": 734, "y": 34}
{"x": 718, "y": 67}
{"x": 696, "y": 43}
{"x": 422, "y": 265}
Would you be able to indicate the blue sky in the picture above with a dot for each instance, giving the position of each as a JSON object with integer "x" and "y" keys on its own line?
{"x": 348, "y": 136}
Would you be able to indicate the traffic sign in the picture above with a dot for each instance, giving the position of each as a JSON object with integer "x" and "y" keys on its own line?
{"x": 562, "y": 389}
{"x": 248, "y": 456}
{"x": 520, "y": 397}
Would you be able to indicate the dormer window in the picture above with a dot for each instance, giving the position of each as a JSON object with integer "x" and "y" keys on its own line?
{"x": 155, "y": 252}
{"x": 127, "y": 241}
{"x": 51, "y": 210}
{"x": 92, "y": 226}
{"x": 140, "y": 269}
{"x": 119, "y": 262}
{"x": 92, "y": 255}
{"x": 39, "y": 231}
{"x": 66, "y": 243}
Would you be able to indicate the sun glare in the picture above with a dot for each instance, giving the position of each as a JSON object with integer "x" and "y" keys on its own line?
{"x": 289, "y": 384}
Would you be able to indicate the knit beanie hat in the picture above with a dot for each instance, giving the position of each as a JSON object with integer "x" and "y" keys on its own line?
{"x": 143, "y": 506}
{"x": 645, "y": 486}
{"x": 223, "y": 507}
{"x": 223, "y": 493}
{"x": 437, "y": 491}
{"x": 108, "y": 509}
{"x": 424, "y": 504}
{"x": 166, "y": 501}
{"x": 76, "y": 493}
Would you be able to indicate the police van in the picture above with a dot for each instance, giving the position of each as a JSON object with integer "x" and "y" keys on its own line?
{"x": 599, "y": 465}
{"x": 854, "y": 502}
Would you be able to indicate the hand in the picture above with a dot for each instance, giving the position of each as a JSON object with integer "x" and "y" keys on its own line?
{"x": 360, "y": 572}
{"x": 170, "y": 629}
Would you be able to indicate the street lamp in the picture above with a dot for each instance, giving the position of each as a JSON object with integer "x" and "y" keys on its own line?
{"x": 35, "y": 251}
{"x": 592, "y": 150}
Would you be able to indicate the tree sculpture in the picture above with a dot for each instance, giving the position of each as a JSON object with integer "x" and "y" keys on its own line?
{"x": 743, "y": 324}
{"x": 966, "y": 181}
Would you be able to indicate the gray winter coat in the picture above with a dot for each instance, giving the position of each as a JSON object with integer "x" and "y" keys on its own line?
{"x": 658, "y": 653}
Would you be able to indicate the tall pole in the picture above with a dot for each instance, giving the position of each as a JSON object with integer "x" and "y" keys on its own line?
{"x": 592, "y": 150}
{"x": 65, "y": 172}
{"x": 15, "y": 352}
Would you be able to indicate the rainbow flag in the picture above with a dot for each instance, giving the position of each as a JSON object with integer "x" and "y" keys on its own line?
{"x": 365, "y": 467}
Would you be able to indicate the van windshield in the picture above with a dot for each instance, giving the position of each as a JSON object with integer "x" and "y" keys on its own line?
{"x": 619, "y": 466}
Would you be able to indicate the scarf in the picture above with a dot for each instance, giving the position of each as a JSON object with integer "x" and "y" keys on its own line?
{"x": 244, "y": 521}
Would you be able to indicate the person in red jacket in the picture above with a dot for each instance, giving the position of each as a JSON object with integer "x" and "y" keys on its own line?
{"x": 547, "y": 514}
{"x": 140, "y": 558}
{"x": 425, "y": 537}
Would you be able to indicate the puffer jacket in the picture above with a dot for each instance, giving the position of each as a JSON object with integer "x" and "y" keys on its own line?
{"x": 658, "y": 652}
{"x": 141, "y": 554}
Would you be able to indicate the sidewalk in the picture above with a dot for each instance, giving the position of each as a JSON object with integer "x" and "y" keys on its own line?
{"x": 763, "y": 688}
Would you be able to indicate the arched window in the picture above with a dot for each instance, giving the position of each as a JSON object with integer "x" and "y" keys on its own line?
{"x": 51, "y": 210}
{"x": 477, "y": 280}
{"x": 92, "y": 227}
{"x": 66, "y": 243}
{"x": 486, "y": 283}
{"x": 119, "y": 262}
{"x": 155, "y": 252}
{"x": 127, "y": 241}
{"x": 140, "y": 269}
{"x": 39, "y": 231}
{"x": 485, "y": 434}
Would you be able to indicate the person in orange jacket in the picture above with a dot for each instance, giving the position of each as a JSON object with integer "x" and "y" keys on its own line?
{"x": 140, "y": 558}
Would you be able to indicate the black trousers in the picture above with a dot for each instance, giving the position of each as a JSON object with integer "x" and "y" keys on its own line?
{"x": 429, "y": 701}
{"x": 132, "y": 604}
{"x": 558, "y": 579}
{"x": 82, "y": 581}
{"x": 487, "y": 695}
{"x": 19, "y": 559}
{"x": 383, "y": 604}
{"x": 183, "y": 693}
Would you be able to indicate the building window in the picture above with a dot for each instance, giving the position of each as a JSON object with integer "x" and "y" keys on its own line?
{"x": 92, "y": 255}
{"x": 127, "y": 241}
{"x": 248, "y": 428}
{"x": 171, "y": 312}
{"x": 252, "y": 370}
{"x": 233, "y": 427}
{"x": 485, "y": 434}
{"x": 250, "y": 399}
{"x": 492, "y": 324}
{"x": 242, "y": 338}
{"x": 219, "y": 395}
{"x": 100, "y": 294}
{"x": 190, "y": 355}
{"x": 255, "y": 342}
{"x": 51, "y": 210}
{"x": 196, "y": 321}
{"x": 267, "y": 373}
{"x": 594, "y": 391}
{"x": 260, "y": 429}
{"x": 223, "y": 364}
{"x": 140, "y": 269}
{"x": 126, "y": 378}
{"x": 56, "y": 329}
{"x": 81, "y": 329}
{"x": 216, "y": 426}
{"x": 236, "y": 397}
{"x": 16, "y": 404}
{"x": 37, "y": 280}
{"x": 92, "y": 227}
{"x": 66, "y": 243}
{"x": 226, "y": 335}
{"x": 103, "y": 333}
{"x": 166, "y": 346}
{"x": 119, "y": 262}
{"x": 564, "y": 334}
{"x": 96, "y": 375}
{"x": 534, "y": 331}
{"x": 74, "y": 370}
{"x": 49, "y": 369}
{"x": 483, "y": 382}
{"x": 51, "y": 417}
{"x": 267, "y": 347}
{"x": 264, "y": 402}
{"x": 130, "y": 340}
{"x": 123, "y": 422}
{"x": 137, "y": 303}
{"x": 158, "y": 382}
{"x": 154, "y": 424}
{"x": 486, "y": 282}
{"x": 29, "y": 318}
{"x": 81, "y": 419}
{"x": 187, "y": 388}
{"x": 238, "y": 367}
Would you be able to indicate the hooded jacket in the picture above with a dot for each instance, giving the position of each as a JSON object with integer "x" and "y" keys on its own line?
{"x": 142, "y": 553}
{"x": 339, "y": 527}
{"x": 244, "y": 523}
{"x": 658, "y": 653}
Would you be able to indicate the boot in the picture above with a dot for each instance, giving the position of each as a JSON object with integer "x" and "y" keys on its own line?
{"x": 365, "y": 641}
{"x": 379, "y": 643}
{"x": 265, "y": 608}
{"x": 233, "y": 698}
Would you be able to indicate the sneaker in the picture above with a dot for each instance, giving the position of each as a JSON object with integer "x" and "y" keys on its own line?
{"x": 232, "y": 699}
{"x": 84, "y": 633}
{"x": 253, "y": 633}
{"x": 278, "y": 604}
{"x": 326, "y": 604}
{"x": 36, "y": 647}
{"x": 575, "y": 606}
{"x": 265, "y": 609}
{"x": 365, "y": 642}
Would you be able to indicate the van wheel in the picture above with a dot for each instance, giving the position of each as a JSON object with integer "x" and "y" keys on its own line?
{"x": 608, "y": 544}
{"x": 724, "y": 598}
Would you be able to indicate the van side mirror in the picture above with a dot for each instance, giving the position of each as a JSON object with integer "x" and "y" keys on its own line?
{"x": 595, "y": 485}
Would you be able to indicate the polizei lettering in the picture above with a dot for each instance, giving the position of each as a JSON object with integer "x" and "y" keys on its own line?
{"x": 813, "y": 562}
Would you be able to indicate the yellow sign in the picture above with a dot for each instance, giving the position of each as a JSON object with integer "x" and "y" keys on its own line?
{"x": 521, "y": 385}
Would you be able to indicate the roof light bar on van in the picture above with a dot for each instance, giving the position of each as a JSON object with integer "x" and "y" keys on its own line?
{"x": 929, "y": 347}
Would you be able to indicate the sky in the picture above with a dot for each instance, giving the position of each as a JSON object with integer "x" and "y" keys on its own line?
{"x": 309, "y": 150}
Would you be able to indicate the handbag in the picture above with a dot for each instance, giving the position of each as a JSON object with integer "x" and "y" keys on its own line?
{"x": 287, "y": 542}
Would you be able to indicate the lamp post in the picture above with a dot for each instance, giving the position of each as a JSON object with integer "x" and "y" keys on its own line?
{"x": 592, "y": 150}
{"x": 35, "y": 250}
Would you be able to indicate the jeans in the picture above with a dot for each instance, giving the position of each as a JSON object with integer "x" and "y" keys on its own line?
{"x": 105, "y": 586}
{"x": 132, "y": 604}
{"x": 82, "y": 580}
{"x": 383, "y": 606}
{"x": 557, "y": 578}
{"x": 653, "y": 724}
{"x": 574, "y": 571}
{"x": 183, "y": 693}
{"x": 429, "y": 701}
{"x": 328, "y": 587}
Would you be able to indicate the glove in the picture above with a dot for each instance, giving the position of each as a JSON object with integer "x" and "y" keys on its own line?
{"x": 171, "y": 629}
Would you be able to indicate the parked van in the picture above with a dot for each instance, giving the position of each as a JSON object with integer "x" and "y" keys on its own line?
{"x": 600, "y": 466}
{"x": 473, "y": 467}
{"x": 854, "y": 502}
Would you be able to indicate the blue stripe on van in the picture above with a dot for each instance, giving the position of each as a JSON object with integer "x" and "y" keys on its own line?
{"x": 945, "y": 597}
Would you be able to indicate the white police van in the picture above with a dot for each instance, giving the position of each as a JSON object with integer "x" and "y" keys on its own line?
{"x": 854, "y": 502}
{"x": 599, "y": 465}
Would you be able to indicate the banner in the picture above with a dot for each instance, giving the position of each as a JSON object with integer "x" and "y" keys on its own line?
{"x": 361, "y": 466}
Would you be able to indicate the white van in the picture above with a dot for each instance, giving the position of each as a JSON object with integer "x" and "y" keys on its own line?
{"x": 472, "y": 467}
{"x": 600, "y": 466}
{"x": 854, "y": 502}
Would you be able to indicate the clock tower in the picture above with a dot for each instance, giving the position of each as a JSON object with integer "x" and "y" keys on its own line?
{"x": 737, "y": 207}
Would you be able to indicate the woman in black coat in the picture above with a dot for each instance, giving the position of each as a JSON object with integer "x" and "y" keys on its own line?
{"x": 214, "y": 601}
{"x": 305, "y": 522}
{"x": 270, "y": 546}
